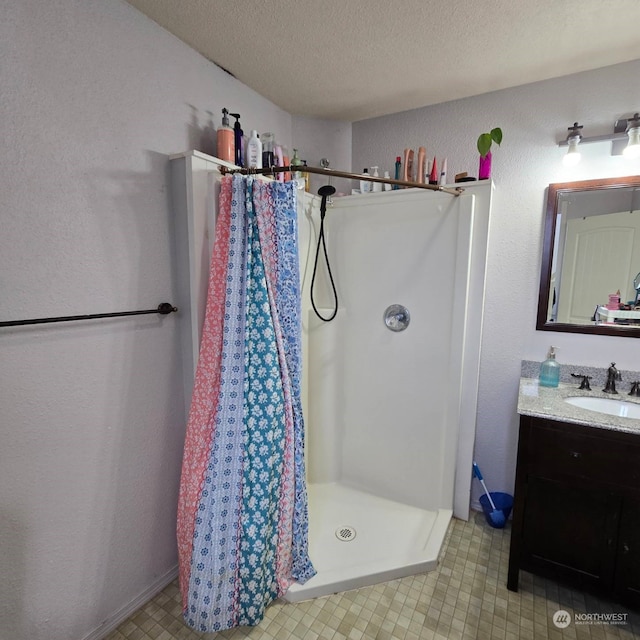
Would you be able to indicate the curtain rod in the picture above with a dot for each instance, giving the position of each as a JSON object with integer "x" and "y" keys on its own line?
{"x": 163, "y": 308}
{"x": 455, "y": 191}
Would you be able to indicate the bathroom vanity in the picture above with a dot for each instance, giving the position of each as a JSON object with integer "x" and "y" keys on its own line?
{"x": 576, "y": 514}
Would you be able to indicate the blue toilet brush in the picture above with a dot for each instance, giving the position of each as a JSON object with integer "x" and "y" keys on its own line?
{"x": 496, "y": 515}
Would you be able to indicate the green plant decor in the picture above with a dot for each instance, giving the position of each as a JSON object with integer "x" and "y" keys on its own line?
{"x": 485, "y": 140}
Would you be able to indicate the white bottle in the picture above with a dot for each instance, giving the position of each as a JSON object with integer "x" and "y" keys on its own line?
{"x": 375, "y": 186}
{"x": 253, "y": 157}
{"x": 387, "y": 186}
{"x": 365, "y": 185}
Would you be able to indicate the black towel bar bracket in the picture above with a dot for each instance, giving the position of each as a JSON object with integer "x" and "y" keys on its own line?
{"x": 163, "y": 308}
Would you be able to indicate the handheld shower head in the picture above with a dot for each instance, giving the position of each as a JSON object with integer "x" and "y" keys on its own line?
{"x": 326, "y": 190}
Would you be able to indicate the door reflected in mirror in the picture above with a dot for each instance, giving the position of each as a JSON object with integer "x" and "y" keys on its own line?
{"x": 591, "y": 251}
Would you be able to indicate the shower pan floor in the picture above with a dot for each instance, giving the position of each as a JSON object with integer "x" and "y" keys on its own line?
{"x": 391, "y": 540}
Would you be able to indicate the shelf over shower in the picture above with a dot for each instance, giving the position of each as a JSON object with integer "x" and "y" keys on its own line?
{"x": 455, "y": 191}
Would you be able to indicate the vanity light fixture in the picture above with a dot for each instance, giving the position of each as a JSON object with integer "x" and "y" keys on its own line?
{"x": 573, "y": 155}
{"x": 632, "y": 150}
{"x": 625, "y": 140}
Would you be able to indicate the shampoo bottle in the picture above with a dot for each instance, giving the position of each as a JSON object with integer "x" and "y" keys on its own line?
{"x": 254, "y": 151}
{"x": 407, "y": 174}
{"x": 443, "y": 172}
{"x": 433, "y": 176}
{"x": 387, "y": 186}
{"x": 286, "y": 163}
{"x": 267, "y": 149}
{"x": 550, "y": 370}
{"x": 422, "y": 155}
{"x": 365, "y": 185}
{"x": 224, "y": 139}
{"x": 277, "y": 154}
{"x": 238, "y": 138}
{"x": 398, "y": 173}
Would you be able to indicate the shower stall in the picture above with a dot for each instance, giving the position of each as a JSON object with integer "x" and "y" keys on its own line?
{"x": 389, "y": 415}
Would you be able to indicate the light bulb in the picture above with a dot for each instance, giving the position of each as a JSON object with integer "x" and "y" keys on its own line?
{"x": 632, "y": 150}
{"x": 572, "y": 157}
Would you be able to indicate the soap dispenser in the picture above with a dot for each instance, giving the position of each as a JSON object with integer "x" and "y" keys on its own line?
{"x": 375, "y": 186}
{"x": 238, "y": 137}
{"x": 550, "y": 370}
{"x": 225, "y": 140}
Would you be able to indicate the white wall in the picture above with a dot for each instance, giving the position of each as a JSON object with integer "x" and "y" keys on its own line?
{"x": 533, "y": 118}
{"x": 94, "y": 97}
{"x": 316, "y": 139}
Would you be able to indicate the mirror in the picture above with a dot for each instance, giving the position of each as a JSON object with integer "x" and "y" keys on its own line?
{"x": 591, "y": 250}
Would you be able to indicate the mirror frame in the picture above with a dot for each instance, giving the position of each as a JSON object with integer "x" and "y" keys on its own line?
{"x": 555, "y": 190}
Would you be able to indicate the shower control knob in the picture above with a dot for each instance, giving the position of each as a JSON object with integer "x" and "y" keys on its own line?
{"x": 396, "y": 317}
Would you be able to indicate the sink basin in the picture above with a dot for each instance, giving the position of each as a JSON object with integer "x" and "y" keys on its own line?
{"x": 606, "y": 405}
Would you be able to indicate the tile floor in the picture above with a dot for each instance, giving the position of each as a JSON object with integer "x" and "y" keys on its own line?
{"x": 464, "y": 598}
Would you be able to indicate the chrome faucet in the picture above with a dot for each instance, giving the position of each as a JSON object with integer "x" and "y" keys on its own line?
{"x": 612, "y": 375}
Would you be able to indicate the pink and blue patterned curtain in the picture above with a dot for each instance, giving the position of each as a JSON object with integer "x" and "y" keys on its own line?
{"x": 242, "y": 512}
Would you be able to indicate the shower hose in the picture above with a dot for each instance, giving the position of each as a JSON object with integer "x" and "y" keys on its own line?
{"x": 324, "y": 192}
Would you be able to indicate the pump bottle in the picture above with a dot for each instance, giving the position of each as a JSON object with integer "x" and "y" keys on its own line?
{"x": 224, "y": 139}
{"x": 238, "y": 138}
{"x": 375, "y": 186}
{"x": 550, "y": 370}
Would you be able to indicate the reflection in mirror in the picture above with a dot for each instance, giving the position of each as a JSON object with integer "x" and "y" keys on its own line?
{"x": 590, "y": 256}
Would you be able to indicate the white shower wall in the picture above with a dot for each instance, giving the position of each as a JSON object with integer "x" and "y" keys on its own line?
{"x": 384, "y": 409}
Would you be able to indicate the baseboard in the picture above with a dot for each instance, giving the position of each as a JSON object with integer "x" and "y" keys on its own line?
{"x": 117, "y": 618}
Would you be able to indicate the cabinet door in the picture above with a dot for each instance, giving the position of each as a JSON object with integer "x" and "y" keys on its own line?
{"x": 569, "y": 531}
{"x": 627, "y": 580}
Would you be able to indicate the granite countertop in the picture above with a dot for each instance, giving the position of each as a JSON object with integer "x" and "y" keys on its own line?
{"x": 546, "y": 402}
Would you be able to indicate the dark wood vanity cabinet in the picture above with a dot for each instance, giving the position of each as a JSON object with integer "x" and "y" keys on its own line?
{"x": 576, "y": 515}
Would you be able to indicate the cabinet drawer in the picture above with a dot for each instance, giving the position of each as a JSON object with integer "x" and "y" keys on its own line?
{"x": 559, "y": 452}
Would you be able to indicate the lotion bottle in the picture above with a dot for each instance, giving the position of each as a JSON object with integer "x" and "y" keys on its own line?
{"x": 550, "y": 370}
{"x": 224, "y": 139}
{"x": 254, "y": 151}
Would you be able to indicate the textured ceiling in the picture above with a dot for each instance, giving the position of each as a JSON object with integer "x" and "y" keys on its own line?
{"x": 356, "y": 59}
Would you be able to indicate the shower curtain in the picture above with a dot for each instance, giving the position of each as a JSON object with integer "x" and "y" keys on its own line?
{"x": 242, "y": 512}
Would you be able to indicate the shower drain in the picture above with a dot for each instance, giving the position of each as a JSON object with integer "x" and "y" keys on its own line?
{"x": 345, "y": 533}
